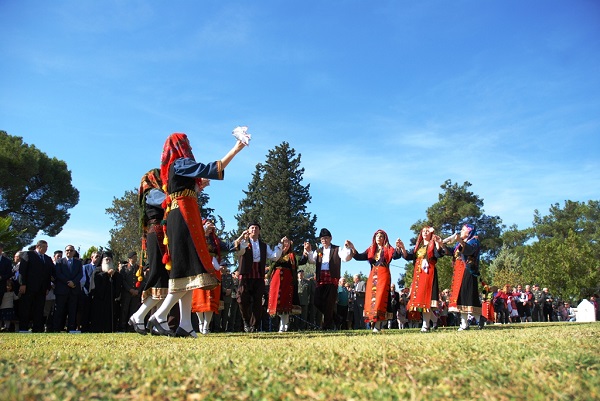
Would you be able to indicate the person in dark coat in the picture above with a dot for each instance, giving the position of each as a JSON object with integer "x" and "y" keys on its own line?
{"x": 67, "y": 289}
{"x": 105, "y": 288}
{"x": 6, "y": 271}
{"x": 35, "y": 272}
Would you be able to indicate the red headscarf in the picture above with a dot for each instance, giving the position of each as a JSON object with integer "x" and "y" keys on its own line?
{"x": 388, "y": 250}
{"x": 176, "y": 147}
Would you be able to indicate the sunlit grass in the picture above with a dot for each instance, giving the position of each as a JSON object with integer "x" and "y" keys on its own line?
{"x": 541, "y": 361}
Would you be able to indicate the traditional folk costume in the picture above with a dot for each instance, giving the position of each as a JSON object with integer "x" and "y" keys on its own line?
{"x": 283, "y": 292}
{"x": 464, "y": 293}
{"x": 207, "y": 302}
{"x": 377, "y": 300}
{"x": 253, "y": 256}
{"x": 187, "y": 257}
{"x": 424, "y": 290}
{"x": 328, "y": 263}
{"x": 150, "y": 199}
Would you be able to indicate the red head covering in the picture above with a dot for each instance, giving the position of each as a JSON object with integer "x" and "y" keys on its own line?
{"x": 430, "y": 230}
{"x": 388, "y": 250}
{"x": 176, "y": 147}
{"x": 150, "y": 180}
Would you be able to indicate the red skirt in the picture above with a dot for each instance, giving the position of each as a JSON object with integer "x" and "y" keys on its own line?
{"x": 281, "y": 291}
{"x": 207, "y": 300}
{"x": 377, "y": 294}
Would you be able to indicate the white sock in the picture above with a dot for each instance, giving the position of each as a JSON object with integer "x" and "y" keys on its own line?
{"x": 185, "y": 311}
{"x": 163, "y": 311}
{"x": 426, "y": 319}
{"x": 148, "y": 304}
{"x": 207, "y": 319}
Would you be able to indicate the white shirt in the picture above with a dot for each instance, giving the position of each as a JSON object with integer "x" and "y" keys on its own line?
{"x": 344, "y": 253}
{"x": 272, "y": 254}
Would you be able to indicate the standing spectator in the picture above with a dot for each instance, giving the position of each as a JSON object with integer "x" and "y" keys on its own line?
{"x": 548, "y": 311}
{"x": 6, "y": 270}
{"x": 526, "y": 300}
{"x": 254, "y": 254}
{"x": 328, "y": 260}
{"x": 464, "y": 296}
{"x": 187, "y": 257}
{"x": 395, "y": 302}
{"x": 537, "y": 311}
{"x": 105, "y": 289}
{"x": 424, "y": 290}
{"x": 58, "y": 255}
{"x": 501, "y": 306}
{"x": 35, "y": 271}
{"x": 401, "y": 314}
{"x": 227, "y": 291}
{"x": 444, "y": 307}
{"x": 234, "y": 323}
{"x": 594, "y": 301}
{"x": 130, "y": 295}
{"x": 67, "y": 289}
{"x": 85, "y": 301}
{"x": 342, "y": 304}
{"x": 282, "y": 285}
{"x": 7, "y": 307}
{"x": 379, "y": 255}
{"x": 359, "y": 302}
{"x": 303, "y": 299}
{"x": 315, "y": 317}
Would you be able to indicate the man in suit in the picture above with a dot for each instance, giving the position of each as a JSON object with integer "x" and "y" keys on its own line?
{"x": 85, "y": 301}
{"x": 35, "y": 271}
{"x": 67, "y": 289}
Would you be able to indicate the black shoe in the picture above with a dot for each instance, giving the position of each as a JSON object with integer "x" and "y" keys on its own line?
{"x": 139, "y": 328}
{"x": 248, "y": 329}
{"x": 183, "y": 333}
{"x": 155, "y": 328}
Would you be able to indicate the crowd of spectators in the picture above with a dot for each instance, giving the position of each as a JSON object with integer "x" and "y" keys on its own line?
{"x": 510, "y": 304}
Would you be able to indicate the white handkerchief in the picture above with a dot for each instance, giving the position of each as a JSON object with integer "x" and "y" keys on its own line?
{"x": 425, "y": 266}
{"x": 242, "y": 135}
{"x": 216, "y": 264}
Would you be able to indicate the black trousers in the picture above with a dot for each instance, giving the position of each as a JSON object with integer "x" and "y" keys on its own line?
{"x": 31, "y": 308}
{"x": 325, "y": 301}
{"x": 249, "y": 297}
{"x": 65, "y": 306}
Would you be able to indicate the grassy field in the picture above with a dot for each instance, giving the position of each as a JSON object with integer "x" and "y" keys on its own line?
{"x": 524, "y": 361}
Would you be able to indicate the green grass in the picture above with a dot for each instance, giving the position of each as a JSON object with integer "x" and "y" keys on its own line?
{"x": 524, "y": 361}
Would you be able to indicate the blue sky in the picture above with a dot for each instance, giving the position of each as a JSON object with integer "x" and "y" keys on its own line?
{"x": 383, "y": 100}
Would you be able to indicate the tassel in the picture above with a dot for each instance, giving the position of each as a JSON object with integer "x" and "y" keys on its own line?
{"x": 168, "y": 265}
{"x": 165, "y": 259}
{"x": 138, "y": 284}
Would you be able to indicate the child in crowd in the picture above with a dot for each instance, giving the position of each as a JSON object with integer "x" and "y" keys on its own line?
{"x": 7, "y": 307}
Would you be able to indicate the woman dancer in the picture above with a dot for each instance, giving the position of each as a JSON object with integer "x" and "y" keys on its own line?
{"x": 150, "y": 199}
{"x": 283, "y": 285}
{"x": 377, "y": 301}
{"x": 464, "y": 295}
{"x": 187, "y": 259}
{"x": 424, "y": 291}
{"x": 206, "y": 302}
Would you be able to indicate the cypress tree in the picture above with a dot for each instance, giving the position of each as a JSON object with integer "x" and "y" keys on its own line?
{"x": 277, "y": 200}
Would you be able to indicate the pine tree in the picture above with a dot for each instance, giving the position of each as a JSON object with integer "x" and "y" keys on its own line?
{"x": 277, "y": 200}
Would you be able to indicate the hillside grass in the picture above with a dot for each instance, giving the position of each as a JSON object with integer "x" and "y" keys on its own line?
{"x": 540, "y": 361}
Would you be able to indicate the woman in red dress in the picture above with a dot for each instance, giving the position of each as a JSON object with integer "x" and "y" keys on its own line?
{"x": 283, "y": 292}
{"x": 378, "y": 306}
{"x": 424, "y": 291}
